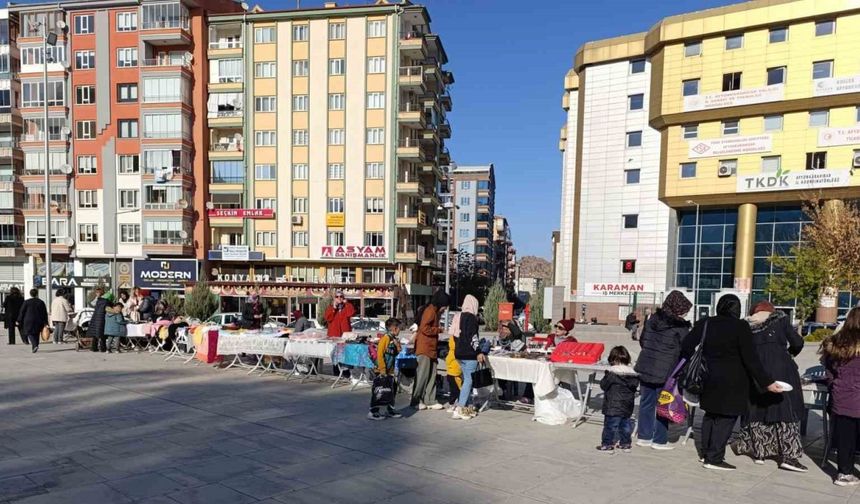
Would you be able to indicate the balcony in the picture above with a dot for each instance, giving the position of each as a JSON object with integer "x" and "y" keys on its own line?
{"x": 226, "y": 145}
{"x": 167, "y": 245}
{"x": 413, "y": 44}
{"x": 411, "y": 113}
{"x": 227, "y": 83}
{"x": 39, "y": 136}
{"x": 225, "y": 41}
{"x": 11, "y": 250}
{"x": 445, "y": 101}
{"x": 226, "y": 116}
{"x": 409, "y": 252}
{"x": 444, "y": 129}
{"x": 409, "y": 148}
{"x": 165, "y": 24}
{"x": 167, "y": 63}
{"x": 412, "y": 77}
{"x": 444, "y": 157}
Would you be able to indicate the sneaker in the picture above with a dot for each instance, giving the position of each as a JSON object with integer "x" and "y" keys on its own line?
{"x": 792, "y": 465}
{"x": 471, "y": 411}
{"x": 451, "y": 408}
{"x": 35, "y": 349}
{"x": 625, "y": 448}
{"x": 701, "y": 460}
{"x": 645, "y": 443}
{"x": 761, "y": 462}
{"x": 375, "y": 415}
{"x": 720, "y": 466}
{"x": 393, "y": 413}
{"x": 422, "y": 406}
{"x": 436, "y": 407}
{"x": 662, "y": 447}
{"x": 461, "y": 414}
{"x": 609, "y": 450}
{"x": 846, "y": 480}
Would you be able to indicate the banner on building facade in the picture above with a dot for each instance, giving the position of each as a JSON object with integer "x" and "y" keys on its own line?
{"x": 836, "y": 85}
{"x": 235, "y": 253}
{"x": 164, "y": 273}
{"x": 794, "y": 180}
{"x": 241, "y": 213}
{"x": 730, "y": 146}
{"x": 831, "y": 137}
{"x": 615, "y": 288}
{"x": 335, "y": 220}
{"x": 353, "y": 252}
{"x": 735, "y": 98}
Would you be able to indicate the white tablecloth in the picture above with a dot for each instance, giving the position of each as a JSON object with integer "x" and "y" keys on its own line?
{"x": 538, "y": 373}
{"x": 233, "y": 344}
{"x": 320, "y": 349}
{"x": 138, "y": 330}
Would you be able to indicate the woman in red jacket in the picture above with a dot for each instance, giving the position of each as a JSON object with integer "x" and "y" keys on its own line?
{"x": 337, "y": 316}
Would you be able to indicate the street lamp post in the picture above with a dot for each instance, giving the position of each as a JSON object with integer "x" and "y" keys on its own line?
{"x": 48, "y": 38}
{"x": 695, "y": 264}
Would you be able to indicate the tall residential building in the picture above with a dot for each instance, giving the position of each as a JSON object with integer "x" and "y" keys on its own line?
{"x": 474, "y": 194}
{"x": 327, "y": 131}
{"x": 504, "y": 253}
{"x": 11, "y": 161}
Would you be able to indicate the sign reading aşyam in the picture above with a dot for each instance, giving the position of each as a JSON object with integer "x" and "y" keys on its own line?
{"x": 353, "y": 252}
{"x": 730, "y": 146}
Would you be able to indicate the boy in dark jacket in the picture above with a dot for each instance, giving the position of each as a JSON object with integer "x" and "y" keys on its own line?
{"x": 619, "y": 391}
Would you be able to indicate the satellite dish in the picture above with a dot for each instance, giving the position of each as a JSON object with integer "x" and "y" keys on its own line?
{"x": 183, "y": 234}
{"x": 55, "y": 204}
{"x": 189, "y": 57}
{"x": 210, "y": 205}
{"x": 66, "y": 130}
{"x": 69, "y": 241}
{"x": 182, "y": 204}
{"x": 66, "y": 168}
{"x": 245, "y": 6}
{"x": 61, "y": 24}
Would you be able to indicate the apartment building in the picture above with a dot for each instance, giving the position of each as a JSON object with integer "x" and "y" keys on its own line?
{"x": 504, "y": 253}
{"x": 332, "y": 178}
{"x": 12, "y": 256}
{"x": 474, "y": 195}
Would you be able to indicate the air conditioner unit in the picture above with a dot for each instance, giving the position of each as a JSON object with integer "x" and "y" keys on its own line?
{"x": 856, "y": 161}
{"x": 297, "y": 220}
{"x": 725, "y": 171}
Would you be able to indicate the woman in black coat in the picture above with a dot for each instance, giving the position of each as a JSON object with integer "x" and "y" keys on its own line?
{"x": 96, "y": 327}
{"x": 32, "y": 318}
{"x": 732, "y": 364}
{"x": 771, "y": 428}
{"x": 11, "y": 309}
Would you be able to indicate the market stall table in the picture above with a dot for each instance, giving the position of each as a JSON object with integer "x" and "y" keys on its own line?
{"x": 259, "y": 344}
{"x": 308, "y": 352}
{"x": 353, "y": 355}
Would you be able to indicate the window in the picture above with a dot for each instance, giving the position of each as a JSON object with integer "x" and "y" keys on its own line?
{"x": 264, "y": 138}
{"x": 129, "y": 233}
{"x": 688, "y": 170}
{"x": 466, "y": 184}
{"x": 823, "y": 28}
{"x": 634, "y": 139}
{"x": 161, "y": 159}
{"x": 773, "y": 123}
{"x": 126, "y": 57}
{"x": 731, "y": 127}
{"x": 465, "y": 217}
{"x": 129, "y": 199}
{"x": 777, "y": 35}
{"x": 33, "y": 94}
{"x": 637, "y": 66}
{"x": 376, "y": 64}
{"x": 88, "y": 199}
{"x": 229, "y": 70}
{"x": 88, "y": 233}
{"x": 776, "y": 75}
{"x": 690, "y": 87}
{"x": 300, "y": 171}
{"x": 300, "y": 205}
{"x": 770, "y": 164}
{"x": 126, "y": 21}
{"x": 300, "y": 103}
{"x": 374, "y": 205}
{"x": 300, "y": 32}
{"x": 300, "y": 238}
{"x": 822, "y": 69}
{"x": 693, "y": 48}
{"x": 690, "y": 131}
{"x": 264, "y": 172}
{"x": 264, "y": 35}
{"x": 128, "y": 163}
{"x": 266, "y": 239}
{"x": 336, "y": 136}
{"x": 465, "y": 200}
{"x": 170, "y": 89}
{"x": 335, "y": 205}
{"x": 84, "y": 24}
{"x": 816, "y": 160}
{"x": 375, "y": 100}
{"x": 33, "y": 55}
{"x": 264, "y": 104}
{"x": 631, "y": 221}
{"x": 300, "y": 68}
{"x": 375, "y": 136}
{"x": 335, "y": 171}
{"x": 228, "y": 172}
{"x": 335, "y": 238}
{"x": 267, "y": 203}
{"x": 336, "y": 101}
{"x": 734, "y": 42}
{"x": 85, "y": 60}
{"x": 85, "y": 95}
{"x": 731, "y": 81}
{"x": 85, "y": 130}
{"x": 336, "y": 66}
{"x": 374, "y": 170}
{"x": 265, "y": 69}
{"x": 166, "y": 125}
{"x": 631, "y": 176}
{"x": 336, "y": 31}
{"x": 818, "y": 118}
{"x": 376, "y": 28}
{"x": 126, "y": 93}
{"x": 127, "y": 128}
{"x": 465, "y": 233}
{"x": 87, "y": 165}
{"x": 374, "y": 239}
{"x": 300, "y": 137}
{"x": 635, "y": 102}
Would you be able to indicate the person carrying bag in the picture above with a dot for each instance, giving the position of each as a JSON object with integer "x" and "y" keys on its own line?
{"x": 469, "y": 353}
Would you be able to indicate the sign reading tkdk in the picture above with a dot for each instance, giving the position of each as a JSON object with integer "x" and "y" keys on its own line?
{"x": 615, "y": 288}
{"x": 353, "y": 252}
{"x": 243, "y": 213}
{"x": 793, "y": 181}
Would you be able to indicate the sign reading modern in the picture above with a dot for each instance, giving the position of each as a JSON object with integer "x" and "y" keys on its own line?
{"x": 615, "y": 288}
{"x": 353, "y": 252}
{"x": 730, "y": 146}
{"x": 164, "y": 273}
{"x": 794, "y": 180}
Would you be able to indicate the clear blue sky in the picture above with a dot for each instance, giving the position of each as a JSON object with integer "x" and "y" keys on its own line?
{"x": 509, "y": 59}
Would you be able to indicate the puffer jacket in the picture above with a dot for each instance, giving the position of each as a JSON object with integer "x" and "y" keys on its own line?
{"x": 96, "y": 328}
{"x": 115, "y": 325}
{"x": 661, "y": 347}
{"x": 619, "y": 391}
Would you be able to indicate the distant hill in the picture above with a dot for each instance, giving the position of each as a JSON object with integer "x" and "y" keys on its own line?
{"x": 537, "y": 267}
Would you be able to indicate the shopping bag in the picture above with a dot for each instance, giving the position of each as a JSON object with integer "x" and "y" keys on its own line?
{"x": 382, "y": 391}
{"x": 483, "y": 377}
{"x": 670, "y": 403}
{"x": 556, "y": 408}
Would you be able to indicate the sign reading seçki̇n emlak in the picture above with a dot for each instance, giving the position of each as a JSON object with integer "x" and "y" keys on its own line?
{"x": 164, "y": 273}
{"x": 353, "y": 252}
{"x": 243, "y": 213}
{"x": 615, "y": 288}
{"x": 794, "y": 180}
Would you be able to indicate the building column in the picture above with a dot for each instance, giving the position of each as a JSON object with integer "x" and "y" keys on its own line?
{"x": 745, "y": 247}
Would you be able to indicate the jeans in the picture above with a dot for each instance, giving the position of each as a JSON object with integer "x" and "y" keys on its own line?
{"x": 113, "y": 342}
{"x": 59, "y": 328}
{"x": 616, "y": 427}
{"x": 468, "y": 367}
{"x": 424, "y": 390}
{"x": 651, "y": 427}
{"x": 846, "y": 432}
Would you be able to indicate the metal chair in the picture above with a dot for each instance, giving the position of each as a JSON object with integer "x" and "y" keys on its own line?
{"x": 818, "y": 399}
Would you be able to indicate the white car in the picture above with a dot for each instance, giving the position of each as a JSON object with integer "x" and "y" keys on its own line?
{"x": 367, "y": 325}
{"x": 225, "y": 318}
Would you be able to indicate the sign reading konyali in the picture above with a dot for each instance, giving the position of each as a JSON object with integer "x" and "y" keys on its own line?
{"x": 830, "y": 137}
{"x": 836, "y": 85}
{"x": 730, "y": 146}
{"x": 242, "y": 213}
{"x": 794, "y": 180}
{"x": 353, "y": 252}
{"x": 615, "y": 288}
{"x": 735, "y": 98}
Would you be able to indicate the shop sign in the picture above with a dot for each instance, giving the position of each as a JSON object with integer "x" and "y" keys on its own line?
{"x": 353, "y": 252}
{"x": 794, "y": 180}
{"x": 615, "y": 288}
{"x": 335, "y": 220}
{"x": 242, "y": 213}
{"x": 729, "y": 146}
{"x": 831, "y": 137}
{"x": 78, "y": 281}
{"x": 164, "y": 273}
{"x": 244, "y": 278}
{"x": 735, "y": 98}
{"x": 836, "y": 85}
{"x": 7, "y": 286}
{"x": 234, "y": 252}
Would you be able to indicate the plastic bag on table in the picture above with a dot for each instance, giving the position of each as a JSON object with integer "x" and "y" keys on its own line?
{"x": 556, "y": 408}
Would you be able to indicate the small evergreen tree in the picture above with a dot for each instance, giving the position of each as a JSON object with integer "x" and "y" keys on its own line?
{"x": 322, "y": 305}
{"x": 495, "y": 296}
{"x": 201, "y": 303}
{"x": 536, "y": 316}
{"x": 172, "y": 299}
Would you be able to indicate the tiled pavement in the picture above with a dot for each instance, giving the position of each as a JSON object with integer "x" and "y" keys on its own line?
{"x": 97, "y": 428}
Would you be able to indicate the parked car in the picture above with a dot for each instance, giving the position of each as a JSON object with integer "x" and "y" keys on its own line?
{"x": 225, "y": 318}
{"x": 367, "y": 325}
{"x": 314, "y": 325}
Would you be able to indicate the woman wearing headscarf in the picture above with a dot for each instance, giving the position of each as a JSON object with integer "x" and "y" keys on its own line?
{"x": 252, "y": 314}
{"x": 468, "y": 353}
{"x": 661, "y": 349}
{"x": 771, "y": 428}
{"x": 732, "y": 363}
{"x": 426, "y": 341}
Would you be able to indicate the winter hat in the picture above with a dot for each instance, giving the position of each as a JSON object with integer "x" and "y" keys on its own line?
{"x": 297, "y": 314}
{"x": 567, "y": 324}
{"x": 677, "y": 304}
{"x": 108, "y": 296}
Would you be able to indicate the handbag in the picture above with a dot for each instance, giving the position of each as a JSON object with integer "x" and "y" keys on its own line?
{"x": 482, "y": 377}
{"x": 382, "y": 391}
{"x": 670, "y": 402}
{"x": 695, "y": 372}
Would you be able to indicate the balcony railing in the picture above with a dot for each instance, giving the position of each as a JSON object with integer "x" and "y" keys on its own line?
{"x": 226, "y": 44}
{"x": 227, "y": 179}
{"x": 164, "y": 62}
{"x": 163, "y": 98}
{"x": 160, "y": 206}
{"x": 226, "y": 113}
{"x": 412, "y": 71}
{"x": 227, "y": 147}
{"x": 164, "y": 134}
{"x": 407, "y": 177}
{"x": 166, "y": 23}
{"x": 412, "y": 34}
{"x": 167, "y": 240}
{"x": 40, "y": 137}
{"x": 409, "y": 142}
{"x": 418, "y": 250}
{"x": 411, "y": 106}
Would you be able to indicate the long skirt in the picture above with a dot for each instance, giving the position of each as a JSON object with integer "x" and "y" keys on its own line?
{"x": 777, "y": 440}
